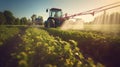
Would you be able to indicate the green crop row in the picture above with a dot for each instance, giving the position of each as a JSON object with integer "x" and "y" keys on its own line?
{"x": 39, "y": 49}
{"x": 101, "y": 47}
{"x": 7, "y": 32}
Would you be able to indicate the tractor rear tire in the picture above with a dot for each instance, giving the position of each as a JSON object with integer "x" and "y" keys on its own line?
{"x": 50, "y": 23}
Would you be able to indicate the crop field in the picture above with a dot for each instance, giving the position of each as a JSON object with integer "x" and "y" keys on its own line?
{"x": 30, "y": 46}
{"x": 60, "y": 33}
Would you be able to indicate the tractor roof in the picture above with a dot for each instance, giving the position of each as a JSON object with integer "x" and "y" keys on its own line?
{"x": 55, "y": 9}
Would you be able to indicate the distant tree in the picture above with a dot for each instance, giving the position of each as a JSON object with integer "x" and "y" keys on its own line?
{"x": 33, "y": 17}
{"x": 40, "y": 20}
{"x": 17, "y": 21}
{"x": 2, "y": 18}
{"x": 23, "y": 20}
{"x": 29, "y": 22}
{"x": 9, "y": 17}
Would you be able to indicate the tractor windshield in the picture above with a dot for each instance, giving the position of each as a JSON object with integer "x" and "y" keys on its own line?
{"x": 56, "y": 13}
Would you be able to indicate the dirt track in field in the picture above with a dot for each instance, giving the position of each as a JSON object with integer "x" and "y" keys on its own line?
{"x": 9, "y": 47}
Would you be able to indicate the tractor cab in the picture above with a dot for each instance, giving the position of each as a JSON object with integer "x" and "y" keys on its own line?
{"x": 55, "y": 17}
{"x": 55, "y": 13}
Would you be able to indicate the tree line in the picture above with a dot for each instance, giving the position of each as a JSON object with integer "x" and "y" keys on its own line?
{"x": 7, "y": 18}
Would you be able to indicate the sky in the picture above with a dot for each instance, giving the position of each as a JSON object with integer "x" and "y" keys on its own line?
{"x": 26, "y": 8}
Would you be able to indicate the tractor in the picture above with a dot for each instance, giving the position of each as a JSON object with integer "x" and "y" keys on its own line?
{"x": 55, "y": 18}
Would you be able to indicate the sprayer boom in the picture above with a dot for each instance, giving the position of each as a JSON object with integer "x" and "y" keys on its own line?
{"x": 96, "y": 10}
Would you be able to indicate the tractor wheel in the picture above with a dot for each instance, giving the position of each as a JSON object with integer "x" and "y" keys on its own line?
{"x": 51, "y": 23}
